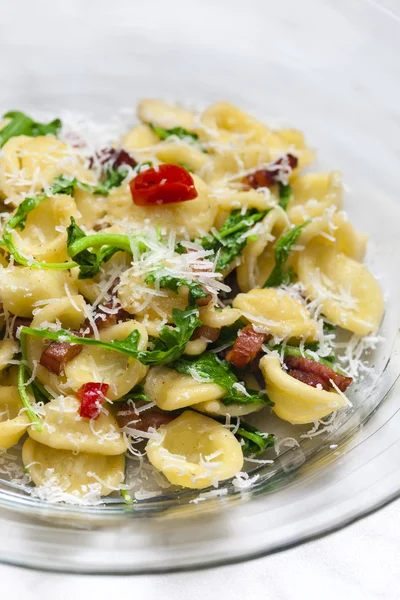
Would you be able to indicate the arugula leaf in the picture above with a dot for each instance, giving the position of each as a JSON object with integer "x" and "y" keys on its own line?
{"x": 179, "y": 132}
{"x": 21, "y": 124}
{"x": 230, "y": 240}
{"x": 285, "y": 193}
{"x": 212, "y": 369}
{"x": 90, "y": 262}
{"x": 283, "y": 246}
{"x": 253, "y": 442}
{"x": 23, "y": 388}
{"x": 65, "y": 184}
{"x": 174, "y": 283}
{"x": 168, "y": 347}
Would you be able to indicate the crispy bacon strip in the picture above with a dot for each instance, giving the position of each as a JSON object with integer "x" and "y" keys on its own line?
{"x": 113, "y": 158}
{"x": 272, "y": 174}
{"x": 247, "y": 345}
{"x": 18, "y": 322}
{"x": 57, "y": 354}
{"x": 314, "y": 372}
{"x": 127, "y": 416}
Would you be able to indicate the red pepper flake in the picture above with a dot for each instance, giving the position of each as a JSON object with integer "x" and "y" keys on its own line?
{"x": 91, "y": 396}
{"x": 165, "y": 185}
{"x": 273, "y": 173}
{"x": 246, "y": 347}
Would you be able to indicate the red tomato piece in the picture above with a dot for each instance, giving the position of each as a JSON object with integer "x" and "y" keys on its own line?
{"x": 166, "y": 184}
{"x": 246, "y": 347}
{"x": 91, "y": 396}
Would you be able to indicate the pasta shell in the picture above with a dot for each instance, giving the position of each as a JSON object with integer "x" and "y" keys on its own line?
{"x": 195, "y": 451}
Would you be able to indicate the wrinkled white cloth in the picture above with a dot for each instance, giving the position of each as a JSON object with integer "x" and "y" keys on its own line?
{"x": 360, "y": 562}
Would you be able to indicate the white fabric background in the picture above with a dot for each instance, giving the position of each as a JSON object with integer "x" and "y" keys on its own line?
{"x": 360, "y": 562}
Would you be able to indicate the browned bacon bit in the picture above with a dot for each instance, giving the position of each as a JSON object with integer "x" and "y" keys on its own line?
{"x": 315, "y": 372}
{"x": 272, "y": 174}
{"x": 101, "y": 226}
{"x": 204, "y": 301}
{"x": 127, "y": 416}
{"x": 112, "y": 158}
{"x": 246, "y": 347}
{"x": 309, "y": 378}
{"x": 16, "y": 323}
{"x": 57, "y": 355}
{"x": 211, "y": 334}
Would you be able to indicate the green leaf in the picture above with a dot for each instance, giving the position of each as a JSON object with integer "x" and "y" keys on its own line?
{"x": 21, "y": 124}
{"x": 23, "y": 388}
{"x": 285, "y": 193}
{"x": 214, "y": 370}
{"x": 89, "y": 262}
{"x": 174, "y": 283}
{"x": 179, "y": 132}
{"x": 253, "y": 442}
{"x": 230, "y": 240}
{"x": 283, "y": 246}
{"x": 167, "y": 348}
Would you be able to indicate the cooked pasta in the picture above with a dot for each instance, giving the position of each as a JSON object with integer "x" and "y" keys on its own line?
{"x": 157, "y": 289}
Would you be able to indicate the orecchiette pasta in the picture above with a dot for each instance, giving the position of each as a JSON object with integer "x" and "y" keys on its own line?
{"x": 195, "y": 451}
{"x": 186, "y": 263}
{"x": 23, "y": 289}
{"x": 120, "y": 372}
{"x": 70, "y": 473}
{"x": 171, "y": 390}
{"x": 295, "y": 401}
{"x": 349, "y": 295}
{"x": 64, "y": 429}
{"x": 13, "y": 422}
{"x": 276, "y": 312}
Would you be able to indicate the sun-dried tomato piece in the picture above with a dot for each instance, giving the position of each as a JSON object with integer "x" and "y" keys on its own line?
{"x": 127, "y": 416}
{"x": 273, "y": 173}
{"x": 91, "y": 396}
{"x": 247, "y": 345}
{"x": 166, "y": 184}
{"x": 322, "y": 372}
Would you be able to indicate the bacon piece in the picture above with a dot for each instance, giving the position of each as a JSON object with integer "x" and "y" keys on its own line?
{"x": 309, "y": 378}
{"x": 127, "y": 416}
{"x": 91, "y": 395}
{"x": 101, "y": 226}
{"x": 16, "y": 323}
{"x": 246, "y": 347}
{"x": 204, "y": 301}
{"x": 316, "y": 370}
{"x": 211, "y": 334}
{"x": 272, "y": 174}
{"x": 113, "y": 158}
{"x": 57, "y": 354}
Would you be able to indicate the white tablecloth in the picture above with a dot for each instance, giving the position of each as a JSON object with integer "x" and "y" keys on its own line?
{"x": 360, "y": 562}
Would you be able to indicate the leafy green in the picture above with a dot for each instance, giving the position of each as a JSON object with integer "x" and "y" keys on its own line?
{"x": 23, "y": 388}
{"x": 21, "y": 124}
{"x": 230, "y": 240}
{"x": 214, "y": 370}
{"x": 179, "y": 132}
{"x": 253, "y": 441}
{"x": 168, "y": 347}
{"x": 174, "y": 283}
{"x": 283, "y": 246}
{"x": 285, "y": 193}
{"x": 89, "y": 262}
{"x": 127, "y": 498}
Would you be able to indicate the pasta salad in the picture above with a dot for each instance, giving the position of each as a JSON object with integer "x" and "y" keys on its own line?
{"x": 160, "y": 288}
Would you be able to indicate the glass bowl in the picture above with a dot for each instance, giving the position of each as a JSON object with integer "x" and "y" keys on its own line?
{"x": 330, "y": 70}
